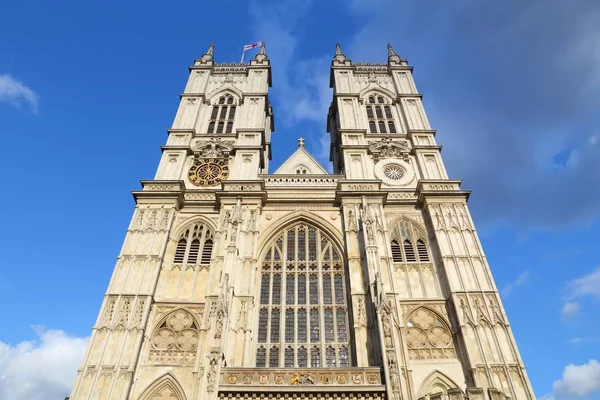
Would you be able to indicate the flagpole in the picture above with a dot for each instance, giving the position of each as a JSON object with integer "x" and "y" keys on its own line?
{"x": 243, "y": 51}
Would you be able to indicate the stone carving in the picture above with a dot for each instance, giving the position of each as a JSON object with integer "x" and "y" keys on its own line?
{"x": 352, "y": 222}
{"x": 480, "y": 312}
{"x": 109, "y": 312}
{"x": 388, "y": 148}
{"x": 175, "y": 339}
{"x": 302, "y": 378}
{"x": 225, "y": 221}
{"x": 219, "y": 324}
{"x": 465, "y": 221}
{"x": 393, "y": 371}
{"x": 124, "y": 311}
{"x": 369, "y": 229}
{"x": 242, "y": 317}
{"x": 428, "y": 336}
{"x": 139, "y": 313}
{"x": 496, "y": 315}
{"x": 317, "y": 377}
{"x": 466, "y": 313}
{"x": 251, "y": 225}
{"x": 228, "y": 78}
{"x": 213, "y": 148}
{"x": 362, "y": 315}
{"x": 211, "y": 375}
{"x": 387, "y": 330}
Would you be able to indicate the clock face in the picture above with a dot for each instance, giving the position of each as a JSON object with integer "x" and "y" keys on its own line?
{"x": 208, "y": 172}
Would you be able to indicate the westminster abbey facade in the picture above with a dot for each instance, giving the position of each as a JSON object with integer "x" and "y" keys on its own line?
{"x": 366, "y": 283}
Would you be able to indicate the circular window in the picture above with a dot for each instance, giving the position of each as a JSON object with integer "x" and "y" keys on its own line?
{"x": 394, "y": 172}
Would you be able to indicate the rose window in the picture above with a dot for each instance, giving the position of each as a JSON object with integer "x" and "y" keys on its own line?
{"x": 428, "y": 336}
{"x": 394, "y": 172}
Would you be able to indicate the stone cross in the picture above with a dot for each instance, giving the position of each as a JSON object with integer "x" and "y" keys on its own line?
{"x": 301, "y": 142}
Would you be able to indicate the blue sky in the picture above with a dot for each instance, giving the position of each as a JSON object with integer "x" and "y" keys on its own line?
{"x": 87, "y": 91}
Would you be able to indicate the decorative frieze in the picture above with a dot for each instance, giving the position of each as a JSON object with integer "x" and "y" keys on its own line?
{"x": 249, "y": 379}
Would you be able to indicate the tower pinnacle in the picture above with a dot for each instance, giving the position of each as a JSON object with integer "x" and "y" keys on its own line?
{"x": 208, "y": 56}
{"x": 339, "y": 56}
{"x": 393, "y": 58}
{"x": 262, "y": 53}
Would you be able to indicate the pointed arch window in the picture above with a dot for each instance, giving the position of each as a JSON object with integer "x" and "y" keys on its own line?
{"x": 379, "y": 114}
{"x": 303, "y": 319}
{"x": 222, "y": 115}
{"x": 194, "y": 247}
{"x": 408, "y": 243}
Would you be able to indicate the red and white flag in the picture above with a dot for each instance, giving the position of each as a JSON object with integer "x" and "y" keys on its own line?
{"x": 252, "y": 46}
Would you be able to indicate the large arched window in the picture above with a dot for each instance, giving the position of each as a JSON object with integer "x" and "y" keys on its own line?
{"x": 408, "y": 243}
{"x": 303, "y": 313}
{"x": 379, "y": 114}
{"x": 194, "y": 246}
{"x": 222, "y": 115}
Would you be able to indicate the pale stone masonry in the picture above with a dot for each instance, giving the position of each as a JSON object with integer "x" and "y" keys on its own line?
{"x": 368, "y": 283}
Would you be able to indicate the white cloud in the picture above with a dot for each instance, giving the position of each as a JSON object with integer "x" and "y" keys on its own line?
{"x": 520, "y": 281}
{"x": 570, "y": 309}
{"x": 576, "y": 341}
{"x": 578, "y": 381}
{"x": 477, "y": 107}
{"x": 588, "y": 285}
{"x": 42, "y": 369}
{"x": 16, "y": 93}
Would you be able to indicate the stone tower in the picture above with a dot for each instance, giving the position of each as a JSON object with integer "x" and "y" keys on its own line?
{"x": 366, "y": 283}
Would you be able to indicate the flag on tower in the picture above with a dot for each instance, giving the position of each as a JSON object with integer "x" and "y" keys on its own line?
{"x": 252, "y": 46}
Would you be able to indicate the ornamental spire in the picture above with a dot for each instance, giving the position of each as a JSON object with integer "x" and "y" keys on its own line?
{"x": 262, "y": 53}
{"x": 393, "y": 58}
{"x": 339, "y": 56}
{"x": 208, "y": 56}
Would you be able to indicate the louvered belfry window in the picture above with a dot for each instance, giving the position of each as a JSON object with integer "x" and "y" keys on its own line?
{"x": 222, "y": 115}
{"x": 408, "y": 243}
{"x": 379, "y": 114}
{"x": 303, "y": 312}
{"x": 194, "y": 247}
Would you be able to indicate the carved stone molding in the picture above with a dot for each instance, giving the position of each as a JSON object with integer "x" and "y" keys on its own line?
{"x": 213, "y": 148}
{"x": 388, "y": 148}
{"x": 264, "y": 379}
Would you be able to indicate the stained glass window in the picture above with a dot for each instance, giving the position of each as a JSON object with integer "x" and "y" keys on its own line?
{"x": 311, "y": 280}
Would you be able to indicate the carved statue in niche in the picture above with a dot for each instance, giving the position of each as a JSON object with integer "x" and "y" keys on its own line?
{"x": 243, "y": 316}
{"x": 362, "y": 315}
{"x": 352, "y": 222}
{"x": 387, "y": 330}
{"x": 369, "y": 230}
{"x": 225, "y": 221}
{"x": 393, "y": 370}
{"x": 211, "y": 375}
{"x": 219, "y": 324}
{"x": 251, "y": 226}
